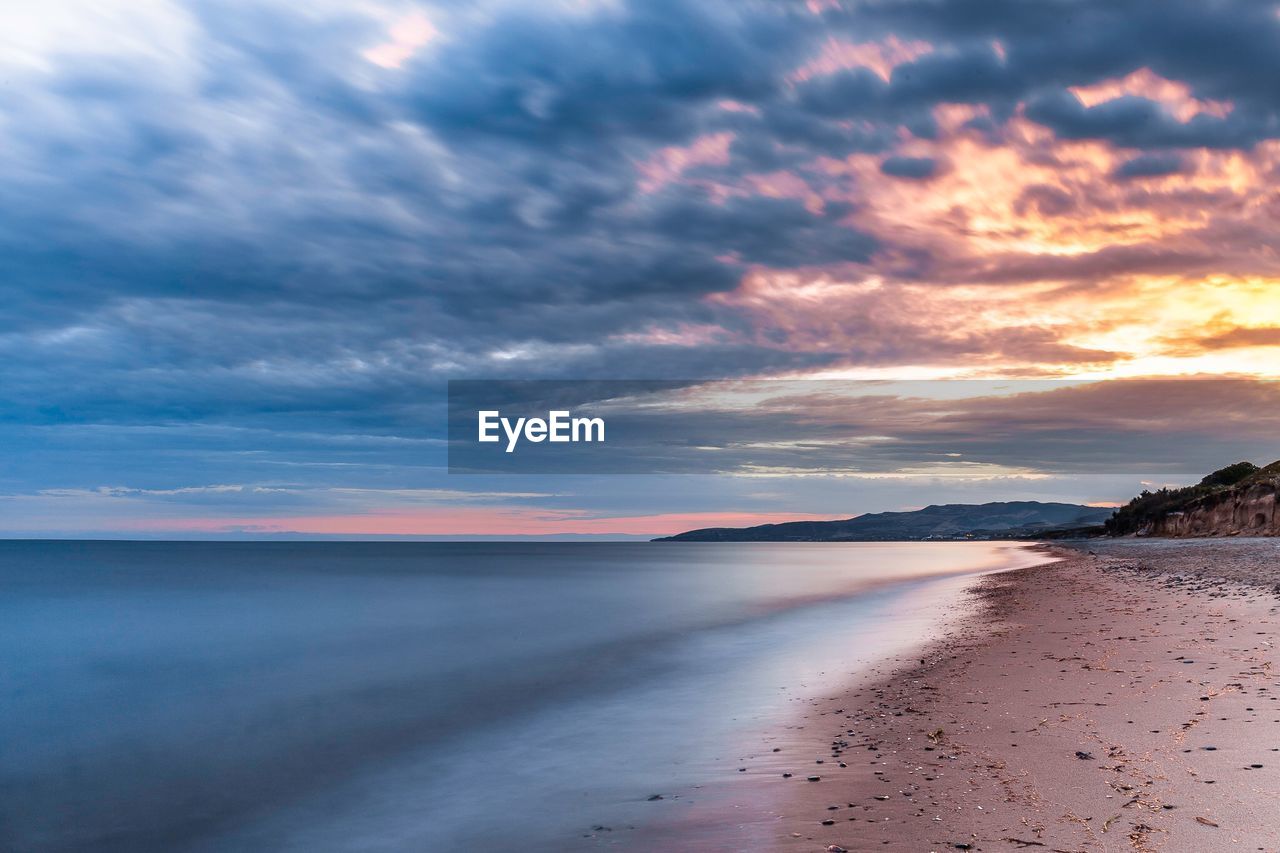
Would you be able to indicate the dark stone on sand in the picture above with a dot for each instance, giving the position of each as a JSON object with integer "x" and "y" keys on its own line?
{"x": 815, "y": 779}
{"x": 828, "y": 823}
{"x": 1084, "y": 756}
{"x": 786, "y": 775}
{"x": 653, "y": 797}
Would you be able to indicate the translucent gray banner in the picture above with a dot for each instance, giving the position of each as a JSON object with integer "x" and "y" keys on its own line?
{"x": 868, "y": 428}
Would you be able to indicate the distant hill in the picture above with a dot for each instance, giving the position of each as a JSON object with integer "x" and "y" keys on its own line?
{"x": 1239, "y": 500}
{"x": 1003, "y": 520}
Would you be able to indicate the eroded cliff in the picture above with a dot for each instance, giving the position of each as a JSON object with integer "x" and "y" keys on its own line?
{"x": 1239, "y": 500}
{"x": 1245, "y": 510}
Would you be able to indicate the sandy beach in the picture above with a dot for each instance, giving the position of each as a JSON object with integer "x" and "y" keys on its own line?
{"x": 1122, "y": 698}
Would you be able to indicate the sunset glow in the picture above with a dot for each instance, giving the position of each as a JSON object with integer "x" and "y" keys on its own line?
{"x": 465, "y": 523}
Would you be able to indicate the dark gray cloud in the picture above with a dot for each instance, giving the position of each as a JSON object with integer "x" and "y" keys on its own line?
{"x": 608, "y": 80}
{"x": 1135, "y": 122}
{"x": 910, "y": 167}
{"x": 1223, "y": 52}
{"x": 1154, "y": 165}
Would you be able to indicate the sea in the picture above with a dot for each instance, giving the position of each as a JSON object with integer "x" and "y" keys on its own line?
{"x": 431, "y": 696}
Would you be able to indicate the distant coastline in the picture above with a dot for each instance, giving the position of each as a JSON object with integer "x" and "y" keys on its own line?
{"x": 1014, "y": 520}
{"x": 1238, "y": 500}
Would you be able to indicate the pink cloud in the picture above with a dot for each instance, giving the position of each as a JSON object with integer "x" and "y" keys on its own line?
{"x": 470, "y": 521}
{"x": 879, "y": 56}
{"x": 668, "y": 164}
{"x": 680, "y": 335}
{"x": 405, "y": 38}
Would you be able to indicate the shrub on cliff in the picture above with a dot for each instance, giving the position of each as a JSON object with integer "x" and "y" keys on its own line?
{"x": 1230, "y": 475}
{"x": 1139, "y": 513}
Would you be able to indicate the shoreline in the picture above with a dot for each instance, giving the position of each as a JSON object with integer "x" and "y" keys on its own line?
{"x": 1098, "y": 702}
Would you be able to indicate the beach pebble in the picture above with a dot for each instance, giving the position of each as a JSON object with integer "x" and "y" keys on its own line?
{"x": 815, "y": 778}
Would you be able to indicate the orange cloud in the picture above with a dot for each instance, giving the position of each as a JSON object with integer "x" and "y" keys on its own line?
{"x": 1026, "y": 253}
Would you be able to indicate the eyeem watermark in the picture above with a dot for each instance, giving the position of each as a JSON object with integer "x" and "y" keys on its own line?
{"x": 557, "y": 426}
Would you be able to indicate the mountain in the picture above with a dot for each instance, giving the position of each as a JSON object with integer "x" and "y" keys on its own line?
{"x": 1003, "y": 520}
{"x": 1239, "y": 500}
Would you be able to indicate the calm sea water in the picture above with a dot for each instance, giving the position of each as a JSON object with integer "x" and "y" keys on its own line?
{"x": 422, "y": 696}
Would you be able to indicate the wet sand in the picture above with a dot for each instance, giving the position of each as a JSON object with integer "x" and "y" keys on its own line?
{"x": 1124, "y": 700}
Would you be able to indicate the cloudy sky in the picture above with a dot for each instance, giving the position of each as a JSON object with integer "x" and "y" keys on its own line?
{"x": 246, "y": 244}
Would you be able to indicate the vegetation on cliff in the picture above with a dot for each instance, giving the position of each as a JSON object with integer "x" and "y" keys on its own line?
{"x": 1145, "y": 511}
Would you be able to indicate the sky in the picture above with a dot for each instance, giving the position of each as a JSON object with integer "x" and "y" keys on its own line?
{"x": 246, "y": 244}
